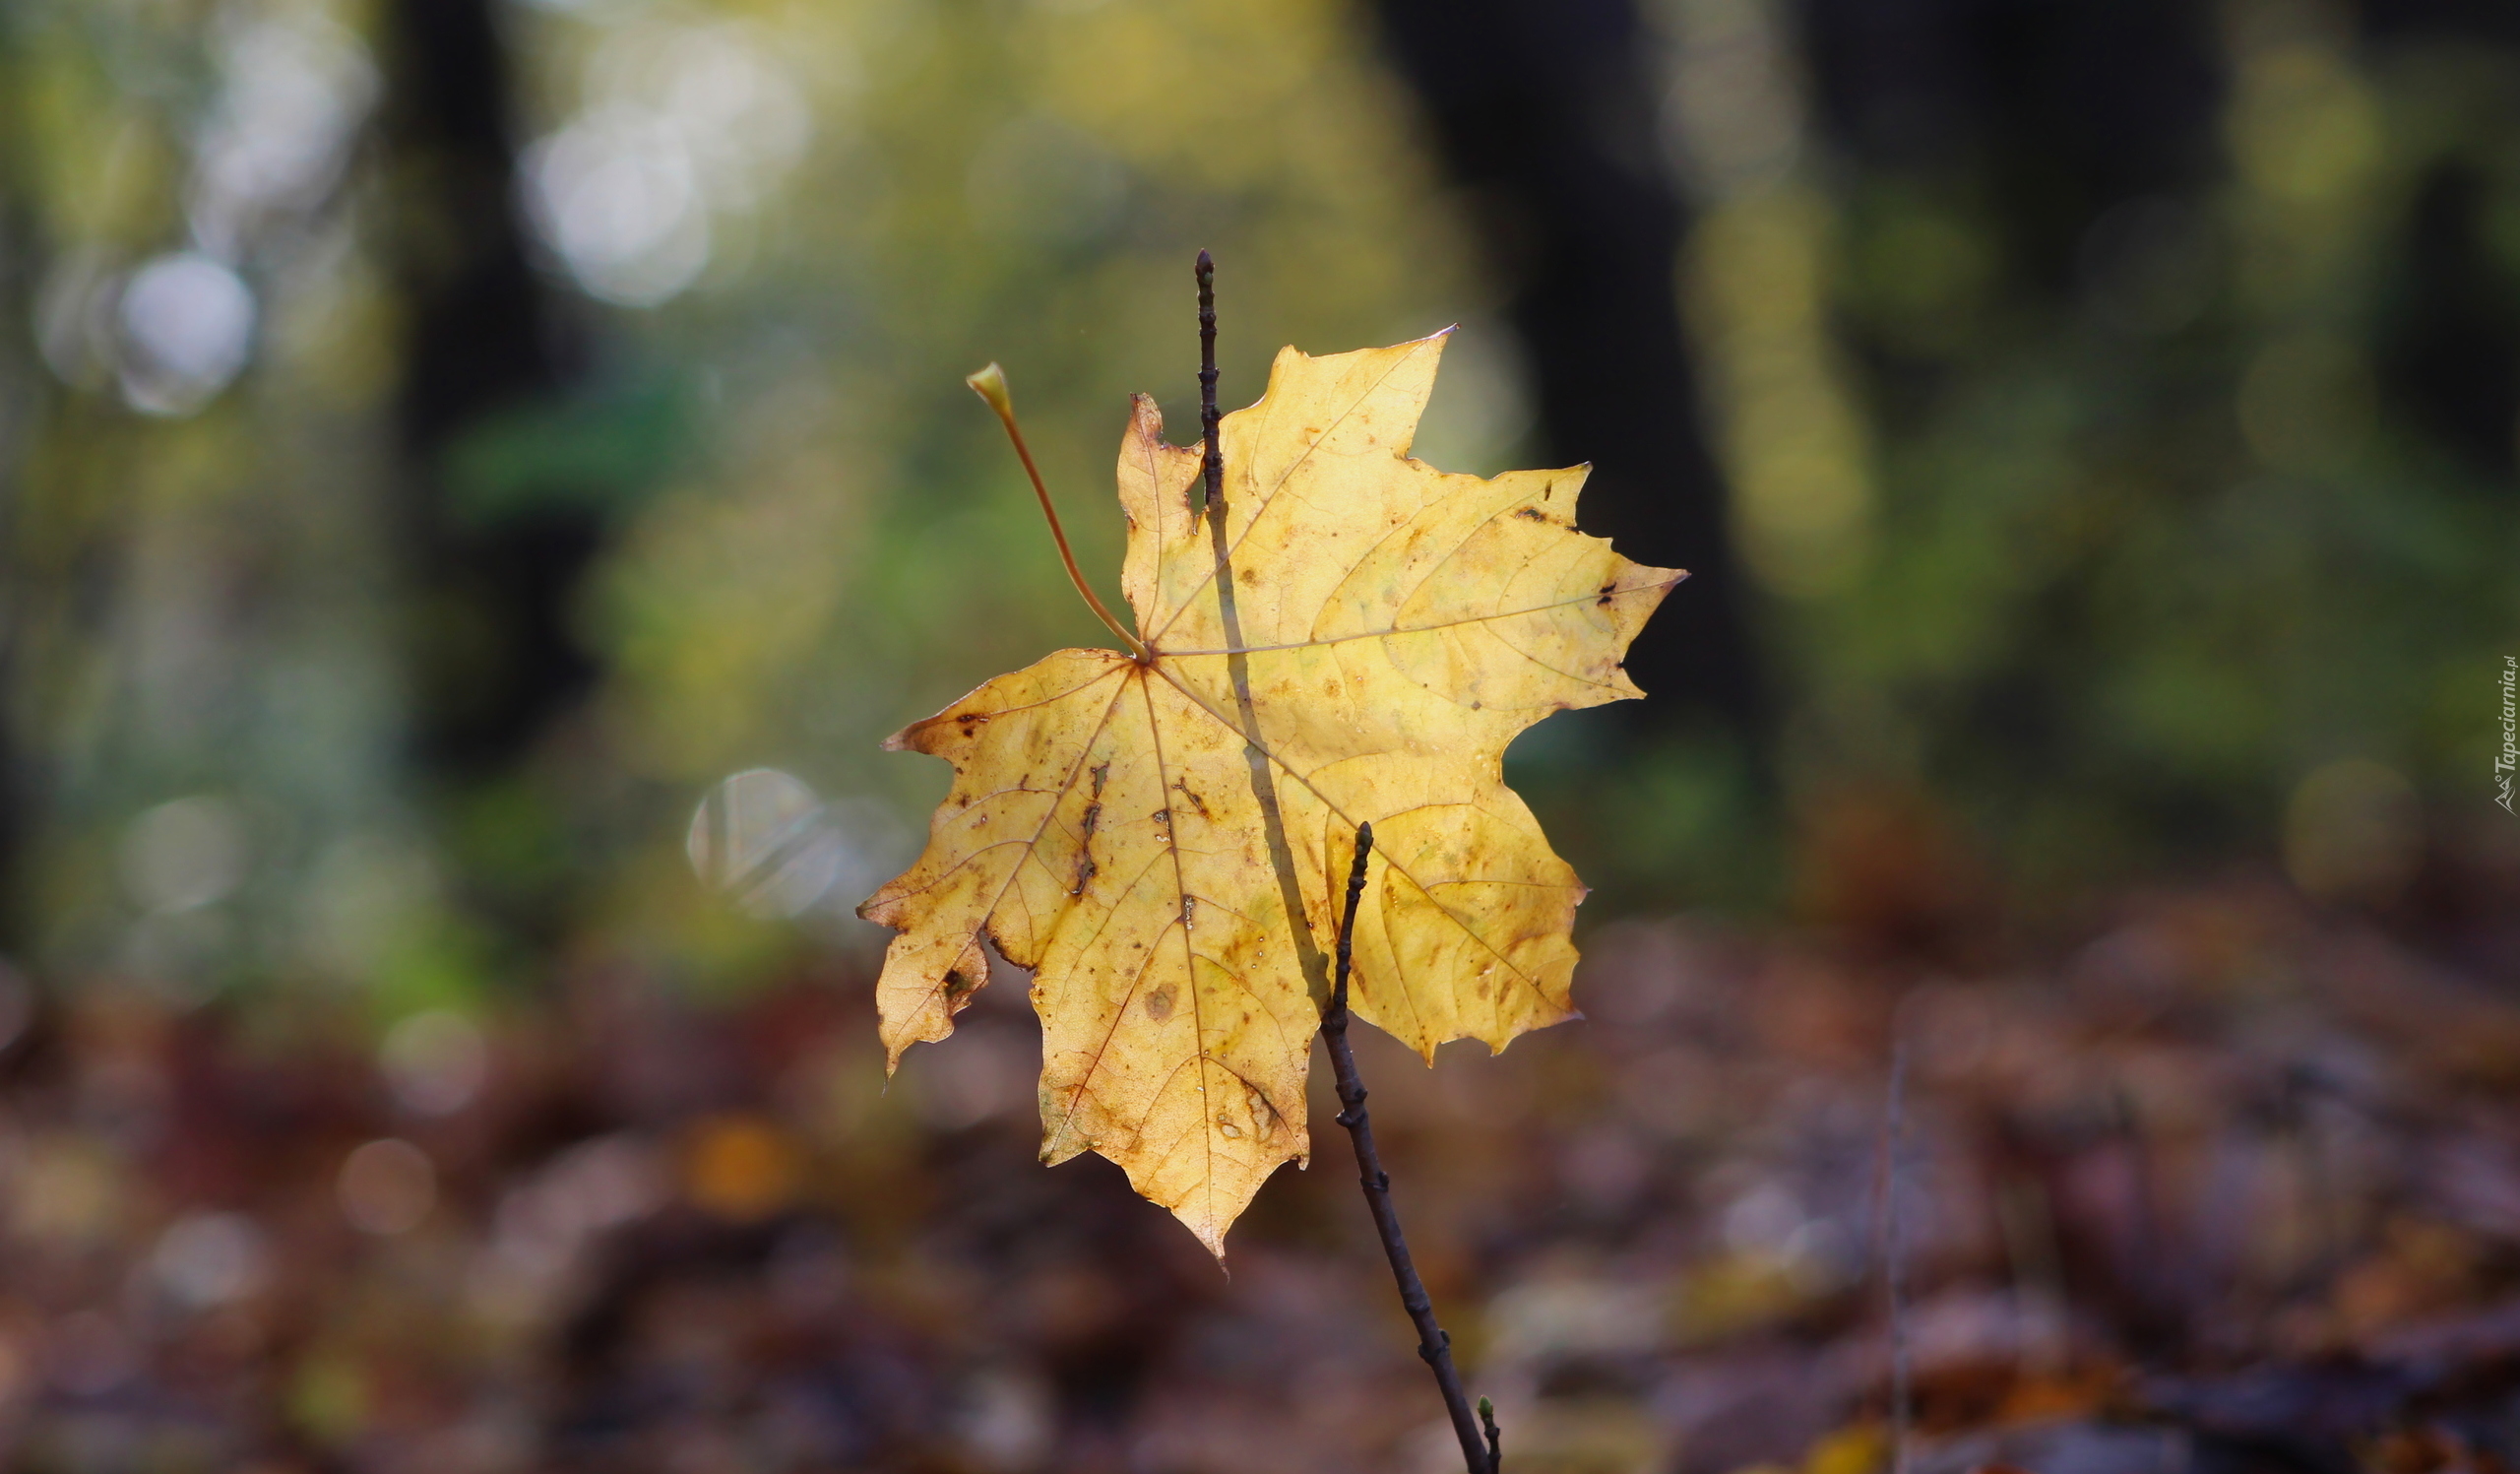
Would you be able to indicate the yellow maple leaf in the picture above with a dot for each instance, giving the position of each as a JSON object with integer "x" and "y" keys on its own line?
{"x": 1162, "y": 836}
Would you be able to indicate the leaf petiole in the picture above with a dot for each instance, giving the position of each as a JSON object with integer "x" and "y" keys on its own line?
{"x": 990, "y": 384}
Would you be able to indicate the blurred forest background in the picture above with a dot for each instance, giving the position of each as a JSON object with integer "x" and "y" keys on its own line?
{"x": 479, "y": 479}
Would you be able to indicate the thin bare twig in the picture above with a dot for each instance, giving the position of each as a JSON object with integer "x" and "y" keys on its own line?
{"x": 1237, "y": 659}
{"x": 1213, "y": 468}
{"x": 1433, "y": 1345}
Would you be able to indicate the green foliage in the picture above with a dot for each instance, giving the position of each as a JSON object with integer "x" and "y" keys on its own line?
{"x": 2111, "y": 564}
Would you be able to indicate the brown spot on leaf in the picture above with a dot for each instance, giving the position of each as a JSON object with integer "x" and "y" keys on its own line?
{"x": 1159, "y": 1004}
{"x": 1532, "y": 514}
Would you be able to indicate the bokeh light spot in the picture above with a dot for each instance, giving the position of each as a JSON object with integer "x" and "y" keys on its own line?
{"x": 207, "y": 1259}
{"x": 615, "y": 196}
{"x": 434, "y": 1062}
{"x": 188, "y": 328}
{"x": 387, "y": 1187}
{"x": 765, "y": 838}
{"x": 185, "y": 854}
{"x": 740, "y": 1167}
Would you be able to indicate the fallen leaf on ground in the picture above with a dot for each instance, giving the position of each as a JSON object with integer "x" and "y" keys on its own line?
{"x": 1162, "y": 840}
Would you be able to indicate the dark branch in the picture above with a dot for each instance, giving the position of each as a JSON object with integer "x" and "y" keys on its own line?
{"x": 1432, "y": 1344}
{"x": 1214, "y": 466}
{"x": 1238, "y": 661}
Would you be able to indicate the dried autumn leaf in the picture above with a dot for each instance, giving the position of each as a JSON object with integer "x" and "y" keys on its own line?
{"x": 1162, "y": 840}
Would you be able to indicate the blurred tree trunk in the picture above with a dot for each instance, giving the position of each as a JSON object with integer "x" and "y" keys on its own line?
{"x": 2054, "y": 112}
{"x": 494, "y": 659}
{"x": 2450, "y": 348}
{"x": 1545, "y": 114}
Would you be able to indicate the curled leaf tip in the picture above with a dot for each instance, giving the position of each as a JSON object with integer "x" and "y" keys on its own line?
{"x": 990, "y": 384}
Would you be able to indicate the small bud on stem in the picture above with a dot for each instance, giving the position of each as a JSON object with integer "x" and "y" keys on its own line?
{"x": 990, "y": 384}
